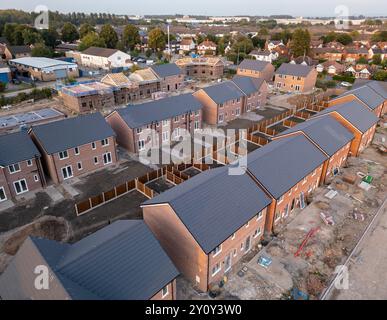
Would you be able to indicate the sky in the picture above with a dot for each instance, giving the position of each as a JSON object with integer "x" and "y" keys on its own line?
{"x": 296, "y": 8}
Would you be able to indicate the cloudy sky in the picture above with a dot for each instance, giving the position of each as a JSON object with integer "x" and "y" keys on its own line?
{"x": 207, "y": 7}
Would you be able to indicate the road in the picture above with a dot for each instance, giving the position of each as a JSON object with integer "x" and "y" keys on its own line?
{"x": 368, "y": 265}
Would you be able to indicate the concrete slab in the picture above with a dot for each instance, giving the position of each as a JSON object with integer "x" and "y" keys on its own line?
{"x": 70, "y": 190}
{"x": 6, "y": 205}
{"x": 54, "y": 194}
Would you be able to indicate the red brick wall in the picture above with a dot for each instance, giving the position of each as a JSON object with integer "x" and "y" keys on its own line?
{"x": 171, "y": 295}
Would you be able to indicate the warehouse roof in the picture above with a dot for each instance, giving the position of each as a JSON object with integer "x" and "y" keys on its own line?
{"x": 297, "y": 70}
{"x": 41, "y": 62}
{"x": 355, "y": 113}
{"x": 223, "y": 92}
{"x": 99, "y": 52}
{"x": 72, "y": 132}
{"x": 139, "y": 115}
{"x": 212, "y": 207}
{"x": 122, "y": 261}
{"x": 282, "y": 163}
{"x": 166, "y": 70}
{"x": 326, "y": 132}
{"x": 16, "y": 147}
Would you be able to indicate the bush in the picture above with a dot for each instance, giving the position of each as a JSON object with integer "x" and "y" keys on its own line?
{"x": 345, "y": 77}
{"x": 2, "y": 86}
{"x": 36, "y": 94}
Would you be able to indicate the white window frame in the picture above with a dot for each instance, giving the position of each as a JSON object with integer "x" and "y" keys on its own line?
{"x": 107, "y": 154}
{"x": 36, "y": 178}
{"x": 259, "y": 216}
{"x": 233, "y": 236}
{"x": 216, "y": 251}
{"x": 29, "y": 163}
{"x": 163, "y": 295}
{"x": 14, "y": 169}
{"x": 141, "y": 145}
{"x": 217, "y": 270}
{"x": 257, "y": 232}
{"x": 63, "y": 155}
{"x": 96, "y": 158}
{"x": 165, "y": 123}
{"x": 280, "y": 199}
{"x": 76, "y": 151}
{"x": 18, "y": 182}
{"x": 138, "y": 130}
{"x": 247, "y": 224}
{"x": 105, "y": 142}
{"x": 72, "y": 172}
{"x": 5, "y": 195}
{"x": 165, "y": 136}
{"x": 79, "y": 168}
{"x": 93, "y": 146}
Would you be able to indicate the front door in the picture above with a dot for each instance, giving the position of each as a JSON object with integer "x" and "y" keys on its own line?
{"x": 227, "y": 263}
{"x": 247, "y": 244}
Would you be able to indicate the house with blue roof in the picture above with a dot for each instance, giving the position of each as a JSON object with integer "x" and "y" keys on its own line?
{"x": 122, "y": 261}
{"x": 20, "y": 166}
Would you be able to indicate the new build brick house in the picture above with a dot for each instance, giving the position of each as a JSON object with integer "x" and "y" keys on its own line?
{"x": 207, "y": 224}
{"x": 148, "y": 82}
{"x": 167, "y": 117}
{"x": 221, "y": 102}
{"x": 357, "y": 119}
{"x": 228, "y": 100}
{"x": 201, "y": 68}
{"x": 75, "y": 146}
{"x": 255, "y": 91}
{"x": 256, "y": 68}
{"x": 170, "y": 75}
{"x": 295, "y": 77}
{"x": 20, "y": 167}
{"x": 122, "y": 261}
{"x": 331, "y": 137}
{"x": 288, "y": 169}
{"x": 124, "y": 90}
{"x": 379, "y": 87}
{"x": 366, "y": 96}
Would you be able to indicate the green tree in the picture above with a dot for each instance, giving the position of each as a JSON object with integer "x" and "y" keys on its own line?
{"x": 41, "y": 50}
{"x": 31, "y": 36}
{"x": 50, "y": 37}
{"x": 130, "y": 36}
{"x": 362, "y": 60}
{"x": 84, "y": 29}
{"x": 344, "y": 39}
{"x": 380, "y": 36}
{"x": 377, "y": 59}
{"x": 109, "y": 35}
{"x": 300, "y": 43}
{"x": 331, "y": 36}
{"x": 92, "y": 39}
{"x": 380, "y": 75}
{"x": 243, "y": 44}
{"x": 148, "y": 53}
{"x": 156, "y": 39}
{"x": 263, "y": 32}
{"x": 69, "y": 32}
{"x": 355, "y": 34}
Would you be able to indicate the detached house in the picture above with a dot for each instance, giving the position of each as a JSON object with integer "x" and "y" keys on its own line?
{"x": 357, "y": 119}
{"x": 187, "y": 45}
{"x": 256, "y": 69}
{"x": 331, "y": 137}
{"x": 207, "y": 47}
{"x": 75, "y": 146}
{"x": 295, "y": 77}
{"x": 168, "y": 117}
{"x": 105, "y": 58}
{"x": 264, "y": 55}
{"x": 371, "y": 100}
{"x": 122, "y": 261}
{"x": 288, "y": 169}
{"x": 170, "y": 75}
{"x": 20, "y": 167}
{"x": 354, "y": 54}
{"x": 208, "y": 223}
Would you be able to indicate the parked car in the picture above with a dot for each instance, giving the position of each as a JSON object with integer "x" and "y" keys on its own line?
{"x": 346, "y": 84}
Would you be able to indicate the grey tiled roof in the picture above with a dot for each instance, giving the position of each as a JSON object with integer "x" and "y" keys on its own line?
{"x": 214, "y": 204}
{"x": 166, "y": 70}
{"x": 256, "y": 65}
{"x": 223, "y": 92}
{"x": 16, "y": 147}
{"x": 72, "y": 132}
{"x": 366, "y": 95}
{"x": 122, "y": 261}
{"x": 283, "y": 163}
{"x": 379, "y": 87}
{"x": 326, "y": 132}
{"x": 355, "y": 113}
{"x": 297, "y": 70}
{"x": 248, "y": 85}
{"x": 139, "y": 115}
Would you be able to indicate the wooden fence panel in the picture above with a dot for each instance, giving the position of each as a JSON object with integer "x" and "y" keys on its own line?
{"x": 96, "y": 200}
{"x": 131, "y": 185}
{"x": 109, "y": 195}
{"x": 121, "y": 189}
{"x": 82, "y": 206}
